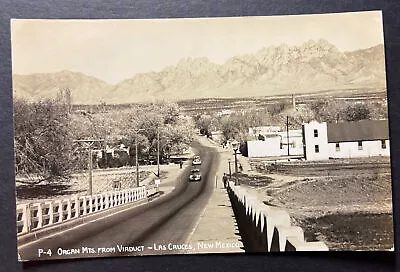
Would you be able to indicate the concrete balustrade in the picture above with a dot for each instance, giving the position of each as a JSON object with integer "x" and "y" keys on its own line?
{"x": 264, "y": 228}
{"x": 37, "y": 215}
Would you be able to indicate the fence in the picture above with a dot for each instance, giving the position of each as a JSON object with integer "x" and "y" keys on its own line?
{"x": 34, "y": 216}
{"x": 264, "y": 228}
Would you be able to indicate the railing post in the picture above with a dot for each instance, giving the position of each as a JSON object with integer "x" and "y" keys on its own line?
{"x": 101, "y": 202}
{"x": 77, "y": 207}
{"x": 96, "y": 203}
{"x": 107, "y": 200}
{"x": 113, "y": 199}
{"x": 51, "y": 213}
{"x": 26, "y": 218}
{"x": 129, "y": 196}
{"x": 60, "y": 211}
{"x": 84, "y": 205}
{"x": 39, "y": 216}
{"x": 125, "y": 197}
{"x": 69, "y": 209}
{"x": 90, "y": 204}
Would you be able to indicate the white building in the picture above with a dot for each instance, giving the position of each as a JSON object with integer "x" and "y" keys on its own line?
{"x": 275, "y": 144}
{"x": 315, "y": 138}
{"x": 366, "y": 138}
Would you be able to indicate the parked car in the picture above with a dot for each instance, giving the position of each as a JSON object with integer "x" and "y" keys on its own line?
{"x": 195, "y": 175}
{"x": 196, "y": 160}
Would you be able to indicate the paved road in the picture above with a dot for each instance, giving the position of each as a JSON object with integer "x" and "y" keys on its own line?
{"x": 158, "y": 227}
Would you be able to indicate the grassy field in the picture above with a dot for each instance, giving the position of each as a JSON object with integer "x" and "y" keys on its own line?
{"x": 346, "y": 203}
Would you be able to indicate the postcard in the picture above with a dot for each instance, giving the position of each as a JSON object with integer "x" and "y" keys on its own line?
{"x": 201, "y": 135}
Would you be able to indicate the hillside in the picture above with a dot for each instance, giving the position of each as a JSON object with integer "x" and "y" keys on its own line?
{"x": 311, "y": 67}
{"x": 84, "y": 89}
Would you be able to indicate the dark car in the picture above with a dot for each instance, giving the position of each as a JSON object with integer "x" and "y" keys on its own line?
{"x": 196, "y": 160}
{"x": 195, "y": 175}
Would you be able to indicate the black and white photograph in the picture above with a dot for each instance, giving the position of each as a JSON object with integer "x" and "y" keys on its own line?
{"x": 241, "y": 135}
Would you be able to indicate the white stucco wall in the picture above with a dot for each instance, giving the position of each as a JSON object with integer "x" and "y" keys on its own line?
{"x": 272, "y": 147}
{"x": 295, "y": 143}
{"x": 350, "y": 149}
{"x": 259, "y": 149}
{"x": 311, "y": 141}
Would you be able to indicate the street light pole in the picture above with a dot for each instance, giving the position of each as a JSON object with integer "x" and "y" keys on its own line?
{"x": 230, "y": 172}
{"x": 235, "y": 147}
{"x": 236, "y": 164}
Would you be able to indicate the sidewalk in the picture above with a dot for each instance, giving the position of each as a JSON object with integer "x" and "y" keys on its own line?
{"x": 216, "y": 231}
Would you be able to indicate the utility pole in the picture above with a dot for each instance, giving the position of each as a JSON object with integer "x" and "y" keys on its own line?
{"x": 137, "y": 161}
{"x": 158, "y": 151}
{"x": 287, "y": 134}
{"x": 89, "y": 144}
{"x": 90, "y": 166}
{"x": 136, "y": 156}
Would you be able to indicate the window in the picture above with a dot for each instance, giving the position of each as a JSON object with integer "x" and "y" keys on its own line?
{"x": 383, "y": 144}
{"x": 337, "y": 147}
{"x": 360, "y": 145}
{"x": 316, "y": 148}
{"x": 315, "y": 132}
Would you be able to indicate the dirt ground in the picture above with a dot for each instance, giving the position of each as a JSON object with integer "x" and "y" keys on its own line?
{"x": 103, "y": 181}
{"x": 345, "y": 203}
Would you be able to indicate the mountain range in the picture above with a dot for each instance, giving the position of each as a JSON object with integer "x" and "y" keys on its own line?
{"x": 311, "y": 67}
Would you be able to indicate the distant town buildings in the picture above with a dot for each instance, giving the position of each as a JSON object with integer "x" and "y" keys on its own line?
{"x": 225, "y": 113}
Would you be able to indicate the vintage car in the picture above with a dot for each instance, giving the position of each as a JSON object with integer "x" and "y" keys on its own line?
{"x": 195, "y": 175}
{"x": 196, "y": 160}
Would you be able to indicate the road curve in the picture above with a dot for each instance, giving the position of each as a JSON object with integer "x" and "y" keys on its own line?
{"x": 161, "y": 226}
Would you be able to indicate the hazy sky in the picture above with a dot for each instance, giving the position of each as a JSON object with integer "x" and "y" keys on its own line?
{"x": 113, "y": 50}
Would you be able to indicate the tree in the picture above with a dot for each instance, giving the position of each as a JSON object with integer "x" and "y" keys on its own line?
{"x": 203, "y": 122}
{"x": 297, "y": 117}
{"x": 158, "y": 121}
{"x": 357, "y": 112}
{"x": 64, "y": 96}
{"x": 276, "y": 109}
{"x": 42, "y": 139}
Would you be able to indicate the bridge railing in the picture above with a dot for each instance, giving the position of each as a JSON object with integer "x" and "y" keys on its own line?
{"x": 264, "y": 228}
{"x": 36, "y": 215}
